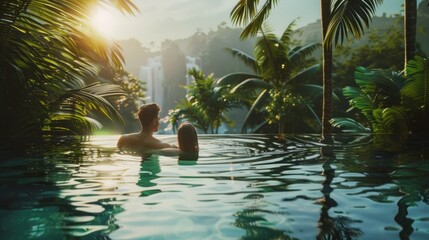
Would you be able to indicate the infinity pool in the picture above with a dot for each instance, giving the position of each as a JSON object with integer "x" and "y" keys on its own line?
{"x": 241, "y": 187}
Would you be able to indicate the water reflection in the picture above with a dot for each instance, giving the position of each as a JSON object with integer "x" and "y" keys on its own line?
{"x": 149, "y": 170}
{"x": 30, "y": 206}
{"x": 257, "y": 226}
{"x": 88, "y": 190}
{"x": 413, "y": 186}
{"x": 332, "y": 227}
{"x": 247, "y": 187}
{"x": 399, "y": 178}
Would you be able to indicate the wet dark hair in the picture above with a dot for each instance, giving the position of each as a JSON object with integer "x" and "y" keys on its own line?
{"x": 188, "y": 139}
{"x": 147, "y": 113}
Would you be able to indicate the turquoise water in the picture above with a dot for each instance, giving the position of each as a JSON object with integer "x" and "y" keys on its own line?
{"x": 241, "y": 187}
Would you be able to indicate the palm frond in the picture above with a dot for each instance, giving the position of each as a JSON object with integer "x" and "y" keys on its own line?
{"x": 415, "y": 92}
{"x": 267, "y": 42}
{"x": 259, "y": 126}
{"x": 252, "y": 83}
{"x": 263, "y": 96}
{"x": 380, "y": 86}
{"x": 255, "y": 24}
{"x": 349, "y": 125}
{"x": 125, "y": 6}
{"x": 271, "y": 55}
{"x": 313, "y": 113}
{"x": 61, "y": 123}
{"x": 302, "y": 53}
{"x": 307, "y": 75}
{"x": 192, "y": 113}
{"x": 354, "y": 94}
{"x": 257, "y": 17}
{"x": 392, "y": 120}
{"x": 235, "y": 78}
{"x": 288, "y": 33}
{"x": 74, "y": 105}
{"x": 244, "y": 11}
{"x": 47, "y": 48}
{"x": 350, "y": 16}
{"x": 245, "y": 58}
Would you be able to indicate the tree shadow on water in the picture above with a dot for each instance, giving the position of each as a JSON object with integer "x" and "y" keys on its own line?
{"x": 332, "y": 227}
{"x": 252, "y": 221}
{"x": 408, "y": 170}
{"x": 413, "y": 186}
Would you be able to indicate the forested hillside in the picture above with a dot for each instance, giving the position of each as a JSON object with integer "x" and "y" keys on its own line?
{"x": 210, "y": 46}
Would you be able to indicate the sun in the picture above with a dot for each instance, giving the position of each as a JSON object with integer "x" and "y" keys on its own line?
{"x": 103, "y": 21}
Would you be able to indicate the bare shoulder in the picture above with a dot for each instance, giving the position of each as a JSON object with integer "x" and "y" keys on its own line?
{"x": 128, "y": 140}
{"x": 141, "y": 141}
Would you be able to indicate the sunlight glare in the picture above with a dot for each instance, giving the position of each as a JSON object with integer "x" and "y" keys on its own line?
{"x": 103, "y": 20}
{"x": 105, "y": 141}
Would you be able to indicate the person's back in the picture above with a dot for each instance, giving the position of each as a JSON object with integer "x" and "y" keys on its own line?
{"x": 149, "y": 119}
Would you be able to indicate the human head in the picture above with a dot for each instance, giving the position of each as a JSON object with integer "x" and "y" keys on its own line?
{"x": 149, "y": 116}
{"x": 187, "y": 138}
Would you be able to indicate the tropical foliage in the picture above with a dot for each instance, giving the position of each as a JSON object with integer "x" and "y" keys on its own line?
{"x": 339, "y": 19}
{"x": 280, "y": 81}
{"x": 128, "y": 105}
{"x": 205, "y": 104}
{"x": 50, "y": 59}
{"x": 392, "y": 103}
{"x": 370, "y": 54}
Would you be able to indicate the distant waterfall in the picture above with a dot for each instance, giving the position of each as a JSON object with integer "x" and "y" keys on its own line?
{"x": 152, "y": 74}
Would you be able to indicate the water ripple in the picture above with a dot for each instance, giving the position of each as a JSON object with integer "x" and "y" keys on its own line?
{"x": 253, "y": 186}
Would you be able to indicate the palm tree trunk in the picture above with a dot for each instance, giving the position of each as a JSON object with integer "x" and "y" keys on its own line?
{"x": 410, "y": 9}
{"x": 327, "y": 73}
{"x": 281, "y": 134}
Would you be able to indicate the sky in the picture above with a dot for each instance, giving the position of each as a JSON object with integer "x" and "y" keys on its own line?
{"x": 174, "y": 19}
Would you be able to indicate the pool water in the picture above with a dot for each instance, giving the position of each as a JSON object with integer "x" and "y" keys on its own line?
{"x": 241, "y": 187}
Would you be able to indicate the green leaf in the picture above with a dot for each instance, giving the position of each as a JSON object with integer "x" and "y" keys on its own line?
{"x": 246, "y": 10}
{"x": 415, "y": 92}
{"x": 235, "y": 78}
{"x": 252, "y": 83}
{"x": 350, "y": 16}
{"x": 349, "y": 125}
{"x": 263, "y": 96}
{"x": 244, "y": 58}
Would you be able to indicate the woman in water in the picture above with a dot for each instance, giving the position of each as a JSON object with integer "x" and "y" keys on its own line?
{"x": 188, "y": 142}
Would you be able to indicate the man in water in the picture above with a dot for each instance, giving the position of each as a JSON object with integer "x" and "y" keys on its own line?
{"x": 149, "y": 119}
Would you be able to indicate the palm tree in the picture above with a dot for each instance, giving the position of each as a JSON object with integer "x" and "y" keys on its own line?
{"x": 339, "y": 18}
{"x": 410, "y": 25}
{"x": 327, "y": 64}
{"x": 50, "y": 58}
{"x": 410, "y": 28}
{"x": 190, "y": 112}
{"x": 205, "y": 105}
{"x": 280, "y": 72}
